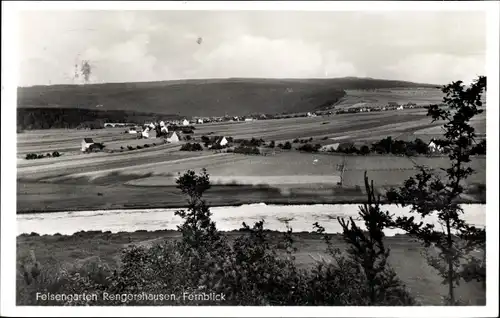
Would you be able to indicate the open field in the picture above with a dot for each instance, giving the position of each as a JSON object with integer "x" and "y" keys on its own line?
{"x": 84, "y": 248}
{"x": 146, "y": 177}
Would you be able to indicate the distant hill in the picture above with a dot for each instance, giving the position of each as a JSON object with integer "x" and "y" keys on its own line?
{"x": 211, "y": 97}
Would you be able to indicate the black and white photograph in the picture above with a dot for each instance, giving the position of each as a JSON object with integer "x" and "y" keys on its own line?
{"x": 283, "y": 157}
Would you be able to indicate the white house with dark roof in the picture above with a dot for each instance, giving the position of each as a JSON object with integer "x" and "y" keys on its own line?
{"x": 86, "y": 143}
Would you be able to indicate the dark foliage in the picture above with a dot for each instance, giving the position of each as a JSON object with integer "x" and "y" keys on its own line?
{"x": 479, "y": 149}
{"x": 46, "y": 118}
{"x": 191, "y": 147}
{"x": 247, "y": 150}
{"x": 249, "y": 143}
{"x": 309, "y": 148}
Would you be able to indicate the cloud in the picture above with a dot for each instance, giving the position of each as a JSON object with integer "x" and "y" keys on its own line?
{"x": 444, "y": 67}
{"x": 250, "y": 56}
{"x": 129, "y": 46}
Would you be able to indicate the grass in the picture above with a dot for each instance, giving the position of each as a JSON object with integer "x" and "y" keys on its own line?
{"x": 378, "y": 163}
{"x": 90, "y": 247}
{"x": 381, "y": 97}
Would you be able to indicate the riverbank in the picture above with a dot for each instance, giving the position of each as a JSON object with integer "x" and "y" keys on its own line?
{"x": 87, "y": 248}
{"x": 41, "y": 197}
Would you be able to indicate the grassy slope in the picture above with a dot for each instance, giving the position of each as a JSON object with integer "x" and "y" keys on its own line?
{"x": 422, "y": 280}
{"x": 203, "y": 97}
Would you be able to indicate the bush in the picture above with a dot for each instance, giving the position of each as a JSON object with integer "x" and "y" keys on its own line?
{"x": 188, "y": 137}
{"x": 139, "y": 147}
{"x": 479, "y": 149}
{"x": 364, "y": 150}
{"x": 250, "y": 143}
{"x": 287, "y": 145}
{"x": 146, "y": 146}
{"x": 272, "y": 144}
{"x": 251, "y": 270}
{"x": 122, "y": 148}
{"x": 191, "y": 147}
{"x": 32, "y": 156}
{"x": 130, "y": 147}
{"x": 296, "y": 140}
{"x": 309, "y": 148}
{"x": 247, "y": 150}
{"x": 205, "y": 139}
{"x": 56, "y": 154}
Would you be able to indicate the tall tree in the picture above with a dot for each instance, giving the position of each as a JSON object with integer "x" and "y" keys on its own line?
{"x": 428, "y": 194}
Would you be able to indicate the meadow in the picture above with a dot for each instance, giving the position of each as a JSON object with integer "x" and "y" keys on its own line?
{"x": 146, "y": 177}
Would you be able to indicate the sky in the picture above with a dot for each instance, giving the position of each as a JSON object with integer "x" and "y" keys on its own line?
{"x": 137, "y": 46}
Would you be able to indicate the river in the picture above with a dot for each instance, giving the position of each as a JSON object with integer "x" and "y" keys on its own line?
{"x": 299, "y": 217}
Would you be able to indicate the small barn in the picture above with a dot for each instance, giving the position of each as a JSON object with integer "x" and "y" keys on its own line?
{"x": 86, "y": 143}
{"x": 199, "y": 121}
{"x": 172, "y": 137}
{"x": 220, "y": 142}
{"x": 185, "y": 122}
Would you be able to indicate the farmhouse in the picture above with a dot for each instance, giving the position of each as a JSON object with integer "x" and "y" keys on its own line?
{"x": 185, "y": 122}
{"x": 149, "y": 133}
{"x": 400, "y": 107}
{"x": 86, "y": 143}
{"x": 172, "y": 137}
{"x": 220, "y": 141}
{"x": 199, "y": 121}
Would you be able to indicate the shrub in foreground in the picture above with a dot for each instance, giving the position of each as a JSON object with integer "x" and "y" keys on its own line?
{"x": 253, "y": 270}
{"x": 191, "y": 147}
{"x": 247, "y": 150}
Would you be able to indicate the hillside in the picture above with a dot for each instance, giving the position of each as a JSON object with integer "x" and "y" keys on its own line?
{"x": 212, "y": 97}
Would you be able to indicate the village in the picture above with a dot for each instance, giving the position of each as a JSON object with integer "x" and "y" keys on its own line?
{"x": 176, "y": 131}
